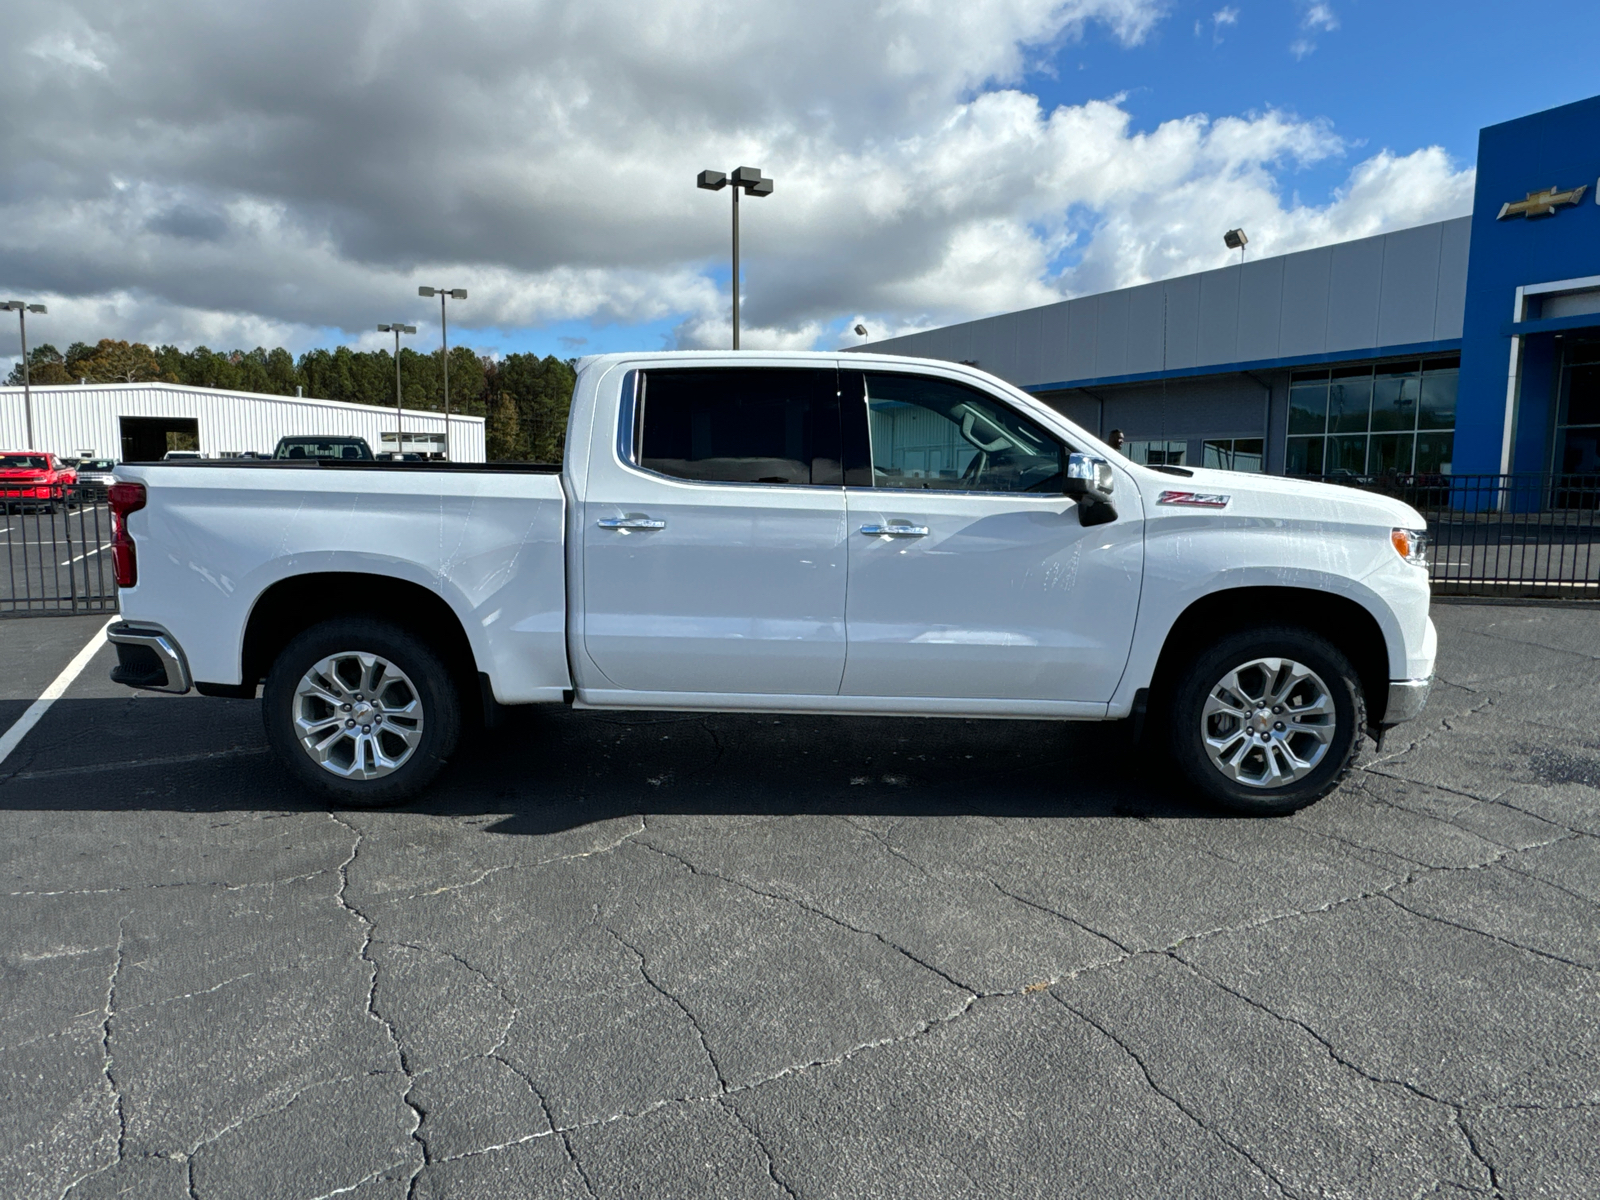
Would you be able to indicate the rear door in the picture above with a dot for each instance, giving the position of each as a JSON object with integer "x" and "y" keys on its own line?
{"x": 971, "y": 575}
{"x": 714, "y": 547}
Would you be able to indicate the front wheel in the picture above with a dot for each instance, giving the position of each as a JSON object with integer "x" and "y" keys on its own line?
{"x": 362, "y": 711}
{"x": 1267, "y": 721}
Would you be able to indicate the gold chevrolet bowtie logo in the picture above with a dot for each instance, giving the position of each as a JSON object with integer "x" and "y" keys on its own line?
{"x": 1541, "y": 204}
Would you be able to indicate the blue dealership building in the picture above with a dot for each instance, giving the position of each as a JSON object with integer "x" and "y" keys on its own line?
{"x": 1464, "y": 347}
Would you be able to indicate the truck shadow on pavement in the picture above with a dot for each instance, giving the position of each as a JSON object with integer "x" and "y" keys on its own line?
{"x": 549, "y": 770}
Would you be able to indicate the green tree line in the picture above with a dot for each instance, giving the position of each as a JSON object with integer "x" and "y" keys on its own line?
{"x": 523, "y": 397}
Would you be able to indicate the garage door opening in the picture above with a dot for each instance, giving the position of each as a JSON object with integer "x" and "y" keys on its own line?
{"x": 146, "y": 439}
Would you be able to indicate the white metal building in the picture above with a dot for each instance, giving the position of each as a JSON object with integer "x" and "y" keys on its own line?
{"x": 132, "y": 421}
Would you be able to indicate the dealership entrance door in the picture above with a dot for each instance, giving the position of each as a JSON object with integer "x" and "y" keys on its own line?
{"x": 146, "y": 439}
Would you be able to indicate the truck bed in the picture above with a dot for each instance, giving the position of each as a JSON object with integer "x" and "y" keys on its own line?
{"x": 217, "y": 536}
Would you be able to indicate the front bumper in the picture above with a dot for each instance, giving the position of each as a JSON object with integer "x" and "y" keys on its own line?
{"x": 1407, "y": 699}
{"x": 148, "y": 657}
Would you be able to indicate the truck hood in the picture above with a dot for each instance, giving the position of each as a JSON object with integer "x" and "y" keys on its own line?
{"x": 1345, "y": 504}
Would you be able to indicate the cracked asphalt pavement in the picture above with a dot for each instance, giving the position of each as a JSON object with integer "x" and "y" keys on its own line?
{"x": 736, "y": 956}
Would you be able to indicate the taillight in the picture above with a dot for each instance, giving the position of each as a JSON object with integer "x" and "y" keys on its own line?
{"x": 124, "y": 498}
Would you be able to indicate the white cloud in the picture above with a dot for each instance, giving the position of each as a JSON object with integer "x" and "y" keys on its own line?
{"x": 1316, "y": 17}
{"x": 230, "y": 178}
{"x": 1320, "y": 16}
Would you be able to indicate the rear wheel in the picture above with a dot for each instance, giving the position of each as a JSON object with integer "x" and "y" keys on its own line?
{"x": 1267, "y": 721}
{"x": 362, "y": 711}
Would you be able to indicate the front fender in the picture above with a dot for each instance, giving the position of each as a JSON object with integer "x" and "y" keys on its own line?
{"x": 1194, "y": 558}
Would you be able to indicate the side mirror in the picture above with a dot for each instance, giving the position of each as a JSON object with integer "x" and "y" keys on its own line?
{"x": 1089, "y": 479}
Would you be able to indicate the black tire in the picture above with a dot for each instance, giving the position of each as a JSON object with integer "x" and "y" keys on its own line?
{"x": 1186, "y": 727}
{"x": 425, "y": 675}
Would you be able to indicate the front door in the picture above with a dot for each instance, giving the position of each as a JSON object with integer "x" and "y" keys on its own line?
{"x": 971, "y": 575}
{"x": 714, "y": 548}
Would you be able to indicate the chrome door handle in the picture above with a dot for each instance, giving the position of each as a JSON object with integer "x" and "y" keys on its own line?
{"x": 895, "y": 530}
{"x": 630, "y": 523}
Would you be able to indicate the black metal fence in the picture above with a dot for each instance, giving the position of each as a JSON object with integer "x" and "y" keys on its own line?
{"x": 1515, "y": 536}
{"x": 55, "y": 543}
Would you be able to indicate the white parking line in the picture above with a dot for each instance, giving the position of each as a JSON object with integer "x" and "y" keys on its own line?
{"x": 85, "y": 554}
{"x": 58, "y": 686}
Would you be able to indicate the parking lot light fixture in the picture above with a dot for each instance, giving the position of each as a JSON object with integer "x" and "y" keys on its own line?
{"x": 22, "y": 308}
{"x": 399, "y": 409}
{"x": 1235, "y": 239}
{"x": 751, "y": 181}
{"x": 444, "y": 342}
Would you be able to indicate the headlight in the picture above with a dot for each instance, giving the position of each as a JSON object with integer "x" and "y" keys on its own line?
{"x": 1411, "y": 545}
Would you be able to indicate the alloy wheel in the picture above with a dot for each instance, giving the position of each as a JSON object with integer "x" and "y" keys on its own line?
{"x": 1268, "y": 722}
{"x": 357, "y": 715}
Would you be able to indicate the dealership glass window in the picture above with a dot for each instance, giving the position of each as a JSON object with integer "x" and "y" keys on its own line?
{"x": 1234, "y": 454}
{"x": 1577, "y": 445}
{"x": 1350, "y": 400}
{"x": 1308, "y": 402}
{"x": 1392, "y": 418}
{"x": 1157, "y": 453}
{"x": 1394, "y": 399}
{"x": 1304, "y": 456}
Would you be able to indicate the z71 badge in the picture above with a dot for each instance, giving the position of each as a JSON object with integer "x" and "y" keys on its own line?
{"x": 1195, "y": 499}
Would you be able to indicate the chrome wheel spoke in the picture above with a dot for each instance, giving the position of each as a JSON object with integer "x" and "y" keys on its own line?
{"x": 1222, "y": 700}
{"x": 1322, "y": 732}
{"x": 410, "y": 735}
{"x": 315, "y": 729}
{"x": 1321, "y": 705}
{"x": 310, "y": 687}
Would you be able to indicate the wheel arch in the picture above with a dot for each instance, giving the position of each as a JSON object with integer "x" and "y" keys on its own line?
{"x": 295, "y": 604}
{"x": 1340, "y": 619}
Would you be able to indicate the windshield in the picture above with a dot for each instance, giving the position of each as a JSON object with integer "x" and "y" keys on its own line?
{"x": 341, "y": 448}
{"x": 30, "y": 462}
{"x": 97, "y": 464}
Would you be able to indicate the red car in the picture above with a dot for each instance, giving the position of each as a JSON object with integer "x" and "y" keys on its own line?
{"x": 35, "y": 479}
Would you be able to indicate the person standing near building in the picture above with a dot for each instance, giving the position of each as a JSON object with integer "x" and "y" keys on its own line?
{"x": 1115, "y": 439}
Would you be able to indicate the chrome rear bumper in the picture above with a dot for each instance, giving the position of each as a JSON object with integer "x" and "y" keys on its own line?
{"x": 148, "y": 657}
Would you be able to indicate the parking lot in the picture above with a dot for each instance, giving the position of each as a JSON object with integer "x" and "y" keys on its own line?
{"x": 659, "y": 955}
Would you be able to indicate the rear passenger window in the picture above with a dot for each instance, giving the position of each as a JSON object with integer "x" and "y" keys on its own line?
{"x": 740, "y": 425}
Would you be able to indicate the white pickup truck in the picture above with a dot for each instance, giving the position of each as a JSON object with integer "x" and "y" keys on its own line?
{"x": 786, "y": 533}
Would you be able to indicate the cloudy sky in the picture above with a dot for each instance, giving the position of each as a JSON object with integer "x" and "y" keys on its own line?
{"x": 288, "y": 172}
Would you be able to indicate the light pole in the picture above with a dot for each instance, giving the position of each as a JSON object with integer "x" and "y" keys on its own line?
{"x": 444, "y": 341}
{"x": 745, "y": 179}
{"x": 22, "y": 308}
{"x": 399, "y": 410}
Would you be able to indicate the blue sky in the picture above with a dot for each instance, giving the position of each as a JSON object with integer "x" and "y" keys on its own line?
{"x": 235, "y": 182}
{"x": 1399, "y": 76}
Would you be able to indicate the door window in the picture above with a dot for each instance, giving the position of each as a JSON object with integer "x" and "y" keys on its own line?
{"x": 740, "y": 425}
{"x": 931, "y": 433}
